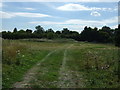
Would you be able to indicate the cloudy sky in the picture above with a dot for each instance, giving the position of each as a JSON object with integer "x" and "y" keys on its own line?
{"x": 58, "y": 15}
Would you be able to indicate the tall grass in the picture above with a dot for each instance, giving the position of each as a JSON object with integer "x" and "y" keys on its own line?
{"x": 88, "y": 65}
{"x": 97, "y": 63}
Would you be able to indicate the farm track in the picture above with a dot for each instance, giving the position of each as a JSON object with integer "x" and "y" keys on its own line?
{"x": 69, "y": 78}
{"x": 63, "y": 73}
{"x": 31, "y": 73}
{"x": 61, "y": 65}
{"x": 66, "y": 77}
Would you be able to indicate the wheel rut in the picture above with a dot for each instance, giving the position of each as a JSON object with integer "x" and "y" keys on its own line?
{"x": 64, "y": 76}
{"x": 31, "y": 73}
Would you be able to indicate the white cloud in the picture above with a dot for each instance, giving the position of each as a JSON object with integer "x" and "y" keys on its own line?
{"x": 30, "y": 14}
{"x": 73, "y": 7}
{"x": 6, "y": 15}
{"x": 95, "y": 14}
{"x": 78, "y": 24}
{"x": 114, "y": 26}
{"x": 79, "y": 7}
{"x": 60, "y": 0}
{"x": 111, "y": 20}
{"x": 30, "y": 8}
{"x": 22, "y": 14}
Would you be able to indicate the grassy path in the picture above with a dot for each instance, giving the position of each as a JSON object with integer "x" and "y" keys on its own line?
{"x": 74, "y": 65}
{"x": 64, "y": 76}
{"x": 31, "y": 73}
{"x": 52, "y": 71}
{"x": 69, "y": 78}
{"x": 47, "y": 76}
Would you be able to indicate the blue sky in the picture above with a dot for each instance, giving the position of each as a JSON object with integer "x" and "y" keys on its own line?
{"x": 58, "y": 15}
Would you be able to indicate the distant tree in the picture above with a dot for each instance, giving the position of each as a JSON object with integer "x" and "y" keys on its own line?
{"x": 85, "y": 28}
{"x": 74, "y": 35}
{"x": 107, "y": 29}
{"x": 39, "y": 32}
{"x": 29, "y": 31}
{"x": 7, "y": 35}
{"x": 49, "y": 31}
{"x": 105, "y": 34}
{"x": 39, "y": 29}
{"x": 117, "y": 36}
{"x": 4, "y": 34}
{"x": 21, "y": 31}
{"x": 50, "y": 35}
{"x": 88, "y": 34}
{"x": 65, "y": 31}
{"x": 15, "y": 30}
{"x": 95, "y": 29}
{"x": 58, "y": 32}
{"x": 103, "y": 37}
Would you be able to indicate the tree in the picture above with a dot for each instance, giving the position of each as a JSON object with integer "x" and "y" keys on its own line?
{"x": 65, "y": 31}
{"x": 15, "y": 30}
{"x": 39, "y": 29}
{"x": 103, "y": 37}
{"x": 88, "y": 34}
{"x": 107, "y": 29}
{"x": 96, "y": 29}
{"x": 21, "y": 31}
{"x": 74, "y": 35}
{"x": 58, "y": 32}
{"x": 50, "y": 30}
{"x": 29, "y": 31}
{"x": 117, "y": 36}
{"x": 50, "y": 33}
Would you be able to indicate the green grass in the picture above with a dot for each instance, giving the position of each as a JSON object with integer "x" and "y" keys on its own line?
{"x": 13, "y": 72}
{"x": 88, "y": 65}
{"x": 15, "y": 64}
{"x": 49, "y": 72}
{"x": 92, "y": 60}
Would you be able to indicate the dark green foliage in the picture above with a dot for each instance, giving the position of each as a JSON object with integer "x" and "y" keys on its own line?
{"x": 15, "y": 30}
{"x": 117, "y": 36}
{"x": 103, "y": 35}
{"x": 50, "y": 34}
{"x": 29, "y": 31}
{"x": 39, "y": 29}
{"x": 89, "y": 34}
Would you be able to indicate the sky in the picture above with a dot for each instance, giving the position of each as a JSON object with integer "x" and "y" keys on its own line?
{"x": 58, "y": 15}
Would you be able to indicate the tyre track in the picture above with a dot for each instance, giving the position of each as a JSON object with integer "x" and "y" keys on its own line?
{"x": 64, "y": 77}
{"x": 69, "y": 78}
{"x": 31, "y": 73}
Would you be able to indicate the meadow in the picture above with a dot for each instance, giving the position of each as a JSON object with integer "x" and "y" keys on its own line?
{"x": 59, "y": 64}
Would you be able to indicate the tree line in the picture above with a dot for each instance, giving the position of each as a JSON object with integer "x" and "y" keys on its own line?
{"x": 103, "y": 35}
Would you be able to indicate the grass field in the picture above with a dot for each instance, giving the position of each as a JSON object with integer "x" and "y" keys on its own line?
{"x": 59, "y": 64}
